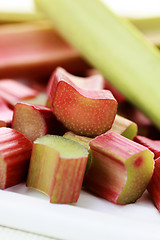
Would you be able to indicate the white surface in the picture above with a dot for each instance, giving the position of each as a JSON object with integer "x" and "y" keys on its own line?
{"x": 134, "y": 8}
{"x": 91, "y": 218}
{"x": 14, "y": 234}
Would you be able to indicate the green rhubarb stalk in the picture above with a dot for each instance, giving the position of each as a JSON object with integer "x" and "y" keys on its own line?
{"x": 112, "y": 45}
{"x": 16, "y": 17}
{"x": 150, "y": 27}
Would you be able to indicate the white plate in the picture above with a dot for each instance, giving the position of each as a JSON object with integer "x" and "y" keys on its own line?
{"x": 91, "y": 218}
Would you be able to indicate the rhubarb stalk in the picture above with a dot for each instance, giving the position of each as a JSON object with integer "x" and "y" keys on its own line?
{"x": 34, "y": 50}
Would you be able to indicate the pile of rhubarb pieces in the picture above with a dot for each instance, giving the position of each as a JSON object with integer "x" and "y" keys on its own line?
{"x": 68, "y": 135}
{"x": 71, "y": 130}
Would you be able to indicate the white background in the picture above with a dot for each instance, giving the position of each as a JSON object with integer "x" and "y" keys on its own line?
{"x": 133, "y": 8}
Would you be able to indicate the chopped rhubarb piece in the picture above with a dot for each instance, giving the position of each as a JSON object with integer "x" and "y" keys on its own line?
{"x": 120, "y": 168}
{"x": 34, "y": 121}
{"x": 6, "y": 114}
{"x": 124, "y": 127}
{"x": 57, "y": 168}
{"x": 83, "y": 112}
{"x": 15, "y": 152}
{"x": 33, "y": 50}
{"x": 153, "y": 145}
{"x": 11, "y": 90}
{"x": 154, "y": 185}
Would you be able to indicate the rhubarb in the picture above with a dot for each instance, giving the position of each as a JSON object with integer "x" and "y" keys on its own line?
{"x": 33, "y": 50}
{"x": 57, "y": 168}
{"x": 35, "y": 121}
{"x": 84, "y": 112}
{"x": 19, "y": 17}
{"x": 120, "y": 168}
{"x": 15, "y": 152}
{"x": 114, "y": 46}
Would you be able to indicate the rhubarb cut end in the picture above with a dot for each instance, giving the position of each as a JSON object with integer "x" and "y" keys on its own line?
{"x": 66, "y": 148}
{"x": 83, "y": 112}
{"x": 139, "y": 172}
{"x": 120, "y": 168}
{"x": 131, "y": 131}
{"x": 57, "y": 168}
{"x": 28, "y": 121}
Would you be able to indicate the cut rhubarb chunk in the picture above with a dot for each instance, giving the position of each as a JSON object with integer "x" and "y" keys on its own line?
{"x": 34, "y": 121}
{"x": 6, "y": 114}
{"x": 34, "y": 50}
{"x": 154, "y": 185}
{"x": 120, "y": 168}
{"x": 57, "y": 168}
{"x": 153, "y": 145}
{"x": 83, "y": 112}
{"x": 124, "y": 127}
{"x": 15, "y": 152}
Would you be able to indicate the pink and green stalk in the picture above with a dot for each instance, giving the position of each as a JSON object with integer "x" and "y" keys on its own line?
{"x": 57, "y": 168}
{"x": 15, "y": 152}
{"x": 84, "y": 112}
{"x": 33, "y": 50}
{"x": 35, "y": 121}
{"x": 120, "y": 168}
